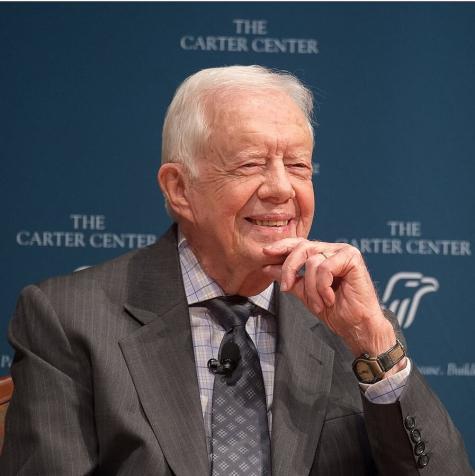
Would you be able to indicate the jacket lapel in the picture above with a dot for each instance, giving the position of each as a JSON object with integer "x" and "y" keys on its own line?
{"x": 160, "y": 357}
{"x": 303, "y": 375}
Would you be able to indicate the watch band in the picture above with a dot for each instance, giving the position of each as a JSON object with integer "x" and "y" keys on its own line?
{"x": 390, "y": 358}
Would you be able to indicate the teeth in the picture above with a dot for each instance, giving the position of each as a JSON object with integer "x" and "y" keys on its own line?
{"x": 271, "y": 222}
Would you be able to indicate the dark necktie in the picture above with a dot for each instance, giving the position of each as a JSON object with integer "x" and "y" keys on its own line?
{"x": 240, "y": 441}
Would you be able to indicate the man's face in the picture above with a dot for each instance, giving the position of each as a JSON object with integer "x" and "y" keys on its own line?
{"x": 254, "y": 183}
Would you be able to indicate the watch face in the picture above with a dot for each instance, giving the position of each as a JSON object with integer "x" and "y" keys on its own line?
{"x": 364, "y": 371}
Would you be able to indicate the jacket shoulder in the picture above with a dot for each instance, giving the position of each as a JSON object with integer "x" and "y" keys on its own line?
{"x": 115, "y": 277}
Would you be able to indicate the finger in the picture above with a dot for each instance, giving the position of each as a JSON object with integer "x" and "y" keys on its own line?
{"x": 293, "y": 264}
{"x": 324, "y": 281}
{"x": 275, "y": 273}
{"x": 292, "y": 242}
{"x": 343, "y": 261}
{"x": 282, "y": 247}
{"x": 300, "y": 254}
{"x": 339, "y": 265}
{"x": 298, "y": 289}
{"x": 314, "y": 300}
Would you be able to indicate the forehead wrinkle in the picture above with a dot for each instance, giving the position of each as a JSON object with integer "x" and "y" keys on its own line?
{"x": 234, "y": 120}
{"x": 236, "y": 100}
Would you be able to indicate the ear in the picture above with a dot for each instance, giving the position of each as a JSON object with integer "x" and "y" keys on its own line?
{"x": 174, "y": 182}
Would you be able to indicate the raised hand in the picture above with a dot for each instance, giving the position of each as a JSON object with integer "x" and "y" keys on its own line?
{"x": 332, "y": 280}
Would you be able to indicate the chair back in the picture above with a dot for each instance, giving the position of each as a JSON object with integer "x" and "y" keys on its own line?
{"x": 6, "y": 391}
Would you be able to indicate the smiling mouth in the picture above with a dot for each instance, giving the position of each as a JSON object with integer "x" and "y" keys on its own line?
{"x": 271, "y": 223}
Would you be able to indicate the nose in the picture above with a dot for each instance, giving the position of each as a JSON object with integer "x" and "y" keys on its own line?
{"x": 276, "y": 186}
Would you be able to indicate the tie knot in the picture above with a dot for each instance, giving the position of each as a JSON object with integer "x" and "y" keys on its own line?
{"x": 230, "y": 311}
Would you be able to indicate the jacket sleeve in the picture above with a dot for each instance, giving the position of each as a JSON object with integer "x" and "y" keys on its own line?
{"x": 49, "y": 424}
{"x": 415, "y": 435}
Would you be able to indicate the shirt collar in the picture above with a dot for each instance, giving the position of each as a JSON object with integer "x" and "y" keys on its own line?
{"x": 200, "y": 287}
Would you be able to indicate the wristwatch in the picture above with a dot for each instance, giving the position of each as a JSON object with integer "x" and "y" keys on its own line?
{"x": 372, "y": 369}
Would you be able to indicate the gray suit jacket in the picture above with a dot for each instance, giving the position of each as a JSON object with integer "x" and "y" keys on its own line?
{"x": 105, "y": 383}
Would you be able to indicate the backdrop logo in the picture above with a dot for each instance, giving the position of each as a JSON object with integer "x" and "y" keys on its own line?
{"x": 404, "y": 292}
{"x": 249, "y": 35}
{"x": 88, "y": 231}
{"x": 405, "y": 238}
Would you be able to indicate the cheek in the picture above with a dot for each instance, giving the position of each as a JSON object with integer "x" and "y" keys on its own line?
{"x": 241, "y": 194}
{"x": 306, "y": 203}
{"x": 205, "y": 210}
{"x": 228, "y": 207}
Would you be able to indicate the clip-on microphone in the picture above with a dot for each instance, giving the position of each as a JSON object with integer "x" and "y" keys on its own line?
{"x": 229, "y": 357}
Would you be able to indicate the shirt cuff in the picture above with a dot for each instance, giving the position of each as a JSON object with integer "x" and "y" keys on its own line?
{"x": 389, "y": 389}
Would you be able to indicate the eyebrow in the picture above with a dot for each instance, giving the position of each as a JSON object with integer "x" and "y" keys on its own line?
{"x": 263, "y": 153}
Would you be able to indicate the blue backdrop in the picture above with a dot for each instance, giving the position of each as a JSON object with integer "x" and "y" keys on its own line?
{"x": 83, "y": 91}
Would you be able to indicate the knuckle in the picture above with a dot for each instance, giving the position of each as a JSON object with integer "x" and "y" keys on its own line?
{"x": 314, "y": 260}
{"x": 302, "y": 245}
{"x": 353, "y": 252}
{"x": 324, "y": 267}
{"x": 290, "y": 268}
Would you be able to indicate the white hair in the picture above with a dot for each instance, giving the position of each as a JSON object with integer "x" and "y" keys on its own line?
{"x": 185, "y": 129}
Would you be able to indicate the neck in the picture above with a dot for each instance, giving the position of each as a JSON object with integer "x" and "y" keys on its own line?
{"x": 240, "y": 280}
{"x": 235, "y": 281}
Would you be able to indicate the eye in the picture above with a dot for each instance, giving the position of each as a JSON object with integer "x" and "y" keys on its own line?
{"x": 300, "y": 169}
{"x": 298, "y": 165}
{"x": 252, "y": 165}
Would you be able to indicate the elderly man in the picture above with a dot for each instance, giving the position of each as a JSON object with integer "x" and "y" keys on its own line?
{"x": 156, "y": 363}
